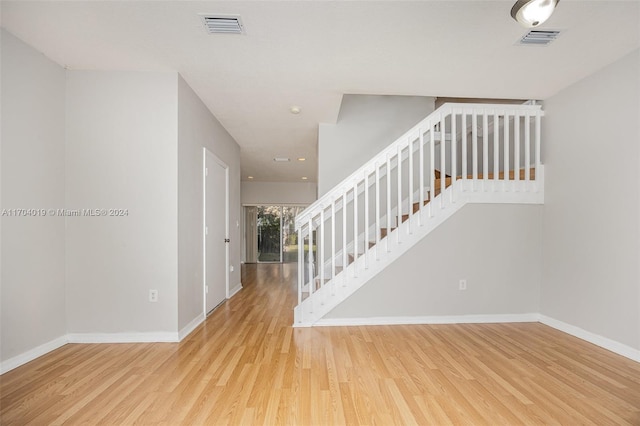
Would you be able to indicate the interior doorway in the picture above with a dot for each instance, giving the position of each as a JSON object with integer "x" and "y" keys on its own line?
{"x": 270, "y": 233}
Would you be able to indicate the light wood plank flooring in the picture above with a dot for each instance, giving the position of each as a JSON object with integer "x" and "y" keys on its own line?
{"x": 246, "y": 365}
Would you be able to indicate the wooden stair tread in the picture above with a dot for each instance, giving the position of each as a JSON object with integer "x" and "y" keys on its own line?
{"x": 351, "y": 258}
{"x": 383, "y": 232}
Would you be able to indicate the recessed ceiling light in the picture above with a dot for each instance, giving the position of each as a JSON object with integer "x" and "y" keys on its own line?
{"x": 249, "y": 177}
{"x": 301, "y": 159}
{"x": 304, "y": 178}
{"x": 295, "y": 109}
{"x": 281, "y": 159}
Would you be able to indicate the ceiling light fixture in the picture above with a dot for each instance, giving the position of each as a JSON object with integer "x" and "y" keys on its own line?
{"x": 531, "y": 13}
{"x": 301, "y": 159}
{"x": 304, "y": 178}
{"x": 249, "y": 177}
{"x": 295, "y": 110}
{"x": 281, "y": 159}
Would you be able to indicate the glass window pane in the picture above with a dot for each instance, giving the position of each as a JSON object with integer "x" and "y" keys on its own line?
{"x": 289, "y": 234}
{"x": 268, "y": 233}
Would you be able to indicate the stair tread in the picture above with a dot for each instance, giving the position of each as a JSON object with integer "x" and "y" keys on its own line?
{"x": 383, "y": 231}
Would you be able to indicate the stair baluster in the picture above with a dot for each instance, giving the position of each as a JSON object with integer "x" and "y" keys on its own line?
{"x": 443, "y": 162}
{"x": 421, "y": 175}
{"x": 516, "y": 150}
{"x": 485, "y": 151}
{"x": 506, "y": 153}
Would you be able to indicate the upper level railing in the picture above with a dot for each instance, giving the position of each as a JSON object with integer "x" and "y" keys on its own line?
{"x": 479, "y": 147}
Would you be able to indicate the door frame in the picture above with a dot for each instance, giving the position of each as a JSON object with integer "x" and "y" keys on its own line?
{"x": 224, "y": 165}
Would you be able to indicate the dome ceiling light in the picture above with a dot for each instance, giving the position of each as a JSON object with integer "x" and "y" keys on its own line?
{"x": 531, "y": 13}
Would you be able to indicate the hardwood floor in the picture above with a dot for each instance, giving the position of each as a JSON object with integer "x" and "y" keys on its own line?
{"x": 247, "y": 365}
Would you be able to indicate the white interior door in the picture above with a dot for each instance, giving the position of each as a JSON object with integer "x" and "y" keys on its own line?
{"x": 216, "y": 230}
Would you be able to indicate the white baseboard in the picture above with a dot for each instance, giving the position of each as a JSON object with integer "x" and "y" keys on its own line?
{"x": 187, "y": 329}
{"x": 603, "y": 342}
{"x": 151, "y": 337}
{"x": 448, "y": 319}
{"x": 32, "y": 354}
{"x": 234, "y": 290}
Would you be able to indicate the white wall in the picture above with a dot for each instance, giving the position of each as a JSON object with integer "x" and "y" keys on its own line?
{"x": 496, "y": 248}
{"x": 277, "y": 193}
{"x": 122, "y": 153}
{"x": 198, "y": 128}
{"x": 32, "y": 168}
{"x": 366, "y": 125}
{"x": 591, "y": 246}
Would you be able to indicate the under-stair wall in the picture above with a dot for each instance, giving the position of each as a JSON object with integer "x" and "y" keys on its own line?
{"x": 495, "y": 248}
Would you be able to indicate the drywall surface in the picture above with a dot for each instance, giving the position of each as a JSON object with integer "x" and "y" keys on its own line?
{"x": 591, "y": 225}
{"x": 366, "y": 125}
{"x": 278, "y": 193}
{"x": 198, "y": 129}
{"x": 32, "y": 291}
{"x": 122, "y": 154}
{"x": 496, "y": 248}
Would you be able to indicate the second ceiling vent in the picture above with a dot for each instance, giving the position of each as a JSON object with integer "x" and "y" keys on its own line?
{"x": 222, "y": 24}
{"x": 539, "y": 37}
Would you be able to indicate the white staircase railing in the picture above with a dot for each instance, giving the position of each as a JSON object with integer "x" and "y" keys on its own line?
{"x": 460, "y": 153}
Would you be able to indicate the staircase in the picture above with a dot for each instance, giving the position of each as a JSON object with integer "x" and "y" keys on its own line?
{"x": 459, "y": 154}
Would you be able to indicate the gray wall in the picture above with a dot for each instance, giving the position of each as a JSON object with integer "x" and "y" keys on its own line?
{"x": 496, "y": 248}
{"x": 32, "y": 170}
{"x": 122, "y": 153}
{"x": 198, "y": 128}
{"x": 592, "y": 210}
{"x": 366, "y": 125}
{"x": 94, "y": 140}
{"x": 275, "y": 193}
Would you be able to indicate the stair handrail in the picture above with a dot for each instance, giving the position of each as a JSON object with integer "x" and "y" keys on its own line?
{"x": 440, "y": 113}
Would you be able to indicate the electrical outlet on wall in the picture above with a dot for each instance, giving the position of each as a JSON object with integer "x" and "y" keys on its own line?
{"x": 462, "y": 285}
{"x": 153, "y": 296}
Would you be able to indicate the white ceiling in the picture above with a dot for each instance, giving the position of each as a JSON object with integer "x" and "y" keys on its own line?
{"x": 310, "y": 53}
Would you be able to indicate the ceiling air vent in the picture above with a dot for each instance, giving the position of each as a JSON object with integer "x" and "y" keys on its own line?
{"x": 539, "y": 37}
{"x": 223, "y": 24}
